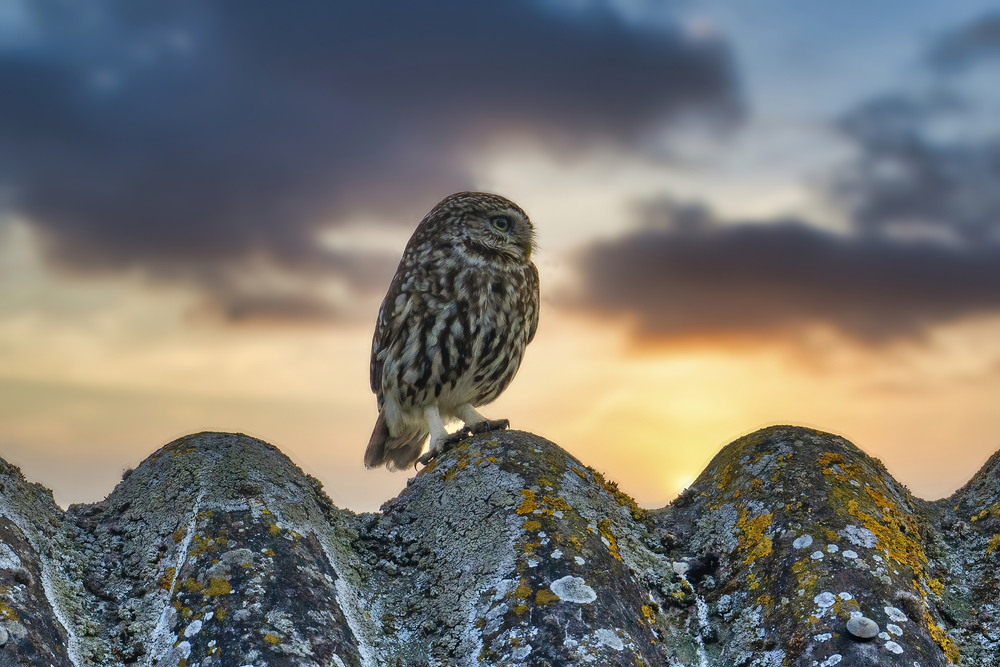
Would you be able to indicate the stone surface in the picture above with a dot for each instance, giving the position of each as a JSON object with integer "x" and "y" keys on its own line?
{"x": 862, "y": 627}
{"x": 217, "y": 550}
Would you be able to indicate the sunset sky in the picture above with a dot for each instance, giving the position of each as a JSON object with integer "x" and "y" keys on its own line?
{"x": 748, "y": 213}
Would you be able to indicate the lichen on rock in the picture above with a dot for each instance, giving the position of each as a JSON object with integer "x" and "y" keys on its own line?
{"x": 792, "y": 548}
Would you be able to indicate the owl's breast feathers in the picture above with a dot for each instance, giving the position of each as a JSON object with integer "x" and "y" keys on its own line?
{"x": 454, "y": 335}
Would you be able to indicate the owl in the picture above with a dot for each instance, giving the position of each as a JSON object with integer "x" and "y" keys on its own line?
{"x": 453, "y": 327}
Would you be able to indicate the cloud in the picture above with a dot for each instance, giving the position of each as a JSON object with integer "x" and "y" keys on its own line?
{"x": 922, "y": 248}
{"x": 974, "y": 42}
{"x": 925, "y": 166}
{"x": 686, "y": 275}
{"x": 176, "y": 136}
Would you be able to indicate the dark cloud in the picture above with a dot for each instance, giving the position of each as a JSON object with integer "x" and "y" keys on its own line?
{"x": 684, "y": 275}
{"x": 923, "y": 169}
{"x": 970, "y": 44}
{"x": 923, "y": 247}
{"x": 174, "y": 135}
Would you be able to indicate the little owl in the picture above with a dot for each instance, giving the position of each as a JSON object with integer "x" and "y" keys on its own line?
{"x": 453, "y": 326}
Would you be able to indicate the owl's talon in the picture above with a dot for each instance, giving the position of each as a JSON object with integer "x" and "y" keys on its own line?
{"x": 455, "y": 438}
{"x": 490, "y": 425}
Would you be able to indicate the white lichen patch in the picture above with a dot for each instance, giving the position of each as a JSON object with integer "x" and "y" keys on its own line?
{"x": 579, "y": 561}
{"x": 832, "y": 548}
{"x": 894, "y": 647}
{"x": 894, "y": 629}
{"x": 832, "y": 660}
{"x": 192, "y": 629}
{"x": 850, "y": 553}
{"x": 521, "y": 652}
{"x": 825, "y": 599}
{"x": 8, "y": 559}
{"x": 802, "y": 541}
{"x": 860, "y": 537}
{"x": 896, "y": 615}
{"x": 844, "y": 595}
{"x": 825, "y": 637}
{"x": 817, "y": 555}
{"x": 573, "y": 589}
{"x": 609, "y": 638}
{"x": 557, "y": 553}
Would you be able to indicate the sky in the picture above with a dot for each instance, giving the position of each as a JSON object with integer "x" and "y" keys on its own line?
{"x": 748, "y": 213}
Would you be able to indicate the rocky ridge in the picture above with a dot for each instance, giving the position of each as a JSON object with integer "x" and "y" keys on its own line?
{"x": 792, "y": 548}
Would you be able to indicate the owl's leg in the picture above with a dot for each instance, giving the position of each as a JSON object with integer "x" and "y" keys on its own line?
{"x": 477, "y": 423}
{"x": 441, "y": 440}
{"x": 434, "y": 423}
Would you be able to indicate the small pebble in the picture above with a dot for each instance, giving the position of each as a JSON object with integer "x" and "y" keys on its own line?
{"x": 862, "y": 628}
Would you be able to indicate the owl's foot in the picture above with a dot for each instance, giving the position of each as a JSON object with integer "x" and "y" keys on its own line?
{"x": 445, "y": 444}
{"x": 488, "y": 425}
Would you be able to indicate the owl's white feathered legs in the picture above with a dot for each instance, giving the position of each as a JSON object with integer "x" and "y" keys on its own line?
{"x": 436, "y": 426}
{"x": 469, "y": 415}
{"x": 442, "y": 441}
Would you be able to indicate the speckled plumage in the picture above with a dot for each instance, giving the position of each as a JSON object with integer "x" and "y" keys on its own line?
{"x": 454, "y": 325}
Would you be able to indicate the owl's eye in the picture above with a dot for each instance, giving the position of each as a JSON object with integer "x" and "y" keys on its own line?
{"x": 501, "y": 223}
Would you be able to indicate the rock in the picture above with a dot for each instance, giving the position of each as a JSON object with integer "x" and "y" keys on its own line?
{"x": 217, "y": 550}
{"x": 862, "y": 628}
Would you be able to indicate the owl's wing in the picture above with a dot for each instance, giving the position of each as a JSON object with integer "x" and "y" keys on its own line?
{"x": 381, "y": 339}
{"x": 534, "y": 301}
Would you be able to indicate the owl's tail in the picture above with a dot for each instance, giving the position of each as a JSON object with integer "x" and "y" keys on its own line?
{"x": 393, "y": 453}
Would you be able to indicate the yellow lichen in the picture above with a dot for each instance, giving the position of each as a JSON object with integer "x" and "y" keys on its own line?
{"x": 218, "y": 586}
{"x": 527, "y": 503}
{"x": 191, "y": 585}
{"x": 993, "y": 510}
{"x": 752, "y": 537}
{"x": 6, "y": 613}
{"x": 805, "y": 578}
{"x": 273, "y": 529}
{"x": 604, "y": 529}
{"x": 943, "y": 640}
{"x": 531, "y": 524}
{"x": 647, "y": 612}
{"x": 167, "y": 580}
{"x": 545, "y": 596}
{"x": 523, "y": 590}
{"x": 828, "y": 460}
{"x": 272, "y": 639}
{"x": 545, "y": 505}
{"x": 726, "y": 477}
{"x": 993, "y": 544}
{"x": 179, "y": 534}
{"x": 936, "y": 585}
{"x": 897, "y": 532}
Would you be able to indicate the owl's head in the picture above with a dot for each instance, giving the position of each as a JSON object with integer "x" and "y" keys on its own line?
{"x": 487, "y": 225}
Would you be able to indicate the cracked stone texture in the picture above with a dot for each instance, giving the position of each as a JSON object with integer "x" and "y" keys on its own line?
{"x": 218, "y": 550}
